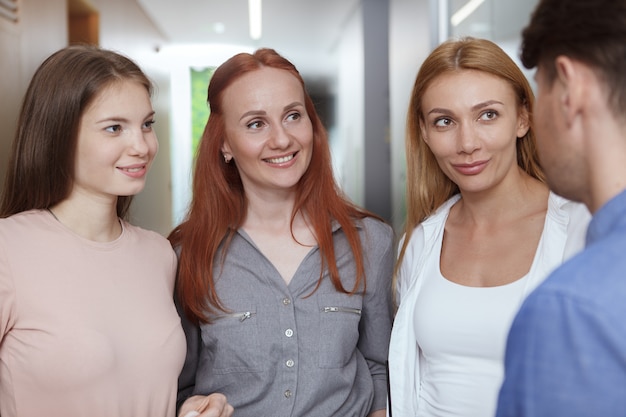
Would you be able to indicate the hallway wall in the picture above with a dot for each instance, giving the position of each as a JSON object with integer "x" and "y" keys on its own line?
{"x": 125, "y": 27}
{"x": 40, "y": 30}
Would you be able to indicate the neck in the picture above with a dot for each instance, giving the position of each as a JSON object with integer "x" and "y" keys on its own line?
{"x": 606, "y": 161}
{"x": 504, "y": 202}
{"x": 270, "y": 209}
{"x": 97, "y": 223}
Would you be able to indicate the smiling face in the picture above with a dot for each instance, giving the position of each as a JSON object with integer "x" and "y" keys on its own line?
{"x": 471, "y": 122}
{"x": 268, "y": 132}
{"x": 116, "y": 144}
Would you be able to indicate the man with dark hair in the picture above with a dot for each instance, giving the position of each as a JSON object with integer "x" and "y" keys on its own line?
{"x": 566, "y": 352}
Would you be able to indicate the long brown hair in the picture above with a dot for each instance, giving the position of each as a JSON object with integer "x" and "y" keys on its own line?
{"x": 219, "y": 204}
{"x": 41, "y": 166}
{"x": 428, "y": 187}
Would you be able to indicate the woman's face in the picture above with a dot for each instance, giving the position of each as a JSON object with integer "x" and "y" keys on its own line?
{"x": 268, "y": 131}
{"x": 116, "y": 144}
{"x": 471, "y": 125}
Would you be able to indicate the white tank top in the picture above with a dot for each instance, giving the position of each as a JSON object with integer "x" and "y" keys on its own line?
{"x": 461, "y": 332}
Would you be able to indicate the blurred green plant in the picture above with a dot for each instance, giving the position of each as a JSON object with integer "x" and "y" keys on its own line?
{"x": 199, "y": 106}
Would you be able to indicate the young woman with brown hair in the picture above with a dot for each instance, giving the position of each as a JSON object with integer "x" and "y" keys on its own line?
{"x": 88, "y": 326}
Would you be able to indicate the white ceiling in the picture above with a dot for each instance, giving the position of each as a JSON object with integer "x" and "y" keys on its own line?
{"x": 304, "y": 31}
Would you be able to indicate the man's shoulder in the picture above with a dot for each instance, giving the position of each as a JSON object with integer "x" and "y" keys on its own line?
{"x": 587, "y": 280}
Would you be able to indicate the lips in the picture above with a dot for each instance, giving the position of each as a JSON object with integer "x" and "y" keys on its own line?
{"x": 280, "y": 159}
{"x": 134, "y": 171}
{"x": 473, "y": 168}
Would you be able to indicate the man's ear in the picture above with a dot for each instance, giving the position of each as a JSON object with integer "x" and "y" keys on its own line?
{"x": 571, "y": 76}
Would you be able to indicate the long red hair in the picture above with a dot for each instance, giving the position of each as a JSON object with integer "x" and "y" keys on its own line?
{"x": 219, "y": 204}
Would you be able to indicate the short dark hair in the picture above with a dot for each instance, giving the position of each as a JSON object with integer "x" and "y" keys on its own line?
{"x": 590, "y": 31}
{"x": 41, "y": 165}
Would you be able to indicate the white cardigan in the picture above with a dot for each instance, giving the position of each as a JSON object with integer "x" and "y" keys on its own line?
{"x": 563, "y": 235}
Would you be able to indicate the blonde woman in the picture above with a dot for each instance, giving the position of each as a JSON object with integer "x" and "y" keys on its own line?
{"x": 482, "y": 230}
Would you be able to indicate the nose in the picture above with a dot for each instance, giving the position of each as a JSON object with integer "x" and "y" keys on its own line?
{"x": 468, "y": 139}
{"x": 280, "y": 138}
{"x": 141, "y": 143}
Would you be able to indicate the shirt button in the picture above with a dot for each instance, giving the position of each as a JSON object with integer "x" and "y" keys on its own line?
{"x": 289, "y": 363}
{"x": 286, "y": 301}
{"x": 288, "y": 394}
{"x": 288, "y": 332}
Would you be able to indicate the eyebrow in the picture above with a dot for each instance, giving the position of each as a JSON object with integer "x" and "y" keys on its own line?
{"x": 120, "y": 119}
{"x": 263, "y": 112}
{"x": 473, "y": 108}
{"x": 486, "y": 104}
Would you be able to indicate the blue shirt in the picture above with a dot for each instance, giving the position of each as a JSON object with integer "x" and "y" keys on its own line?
{"x": 566, "y": 351}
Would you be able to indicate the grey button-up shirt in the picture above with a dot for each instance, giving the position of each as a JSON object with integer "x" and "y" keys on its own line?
{"x": 284, "y": 350}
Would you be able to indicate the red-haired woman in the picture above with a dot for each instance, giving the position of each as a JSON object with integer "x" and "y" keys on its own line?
{"x": 283, "y": 284}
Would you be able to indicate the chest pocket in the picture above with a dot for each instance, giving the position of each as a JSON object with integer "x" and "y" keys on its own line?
{"x": 232, "y": 341}
{"x": 340, "y": 315}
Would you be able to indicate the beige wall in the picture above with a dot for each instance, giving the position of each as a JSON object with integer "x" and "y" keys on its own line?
{"x": 124, "y": 26}
{"x": 40, "y": 30}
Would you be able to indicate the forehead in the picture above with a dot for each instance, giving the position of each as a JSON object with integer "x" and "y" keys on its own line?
{"x": 263, "y": 87}
{"x": 118, "y": 90}
{"x": 467, "y": 87}
{"x": 124, "y": 97}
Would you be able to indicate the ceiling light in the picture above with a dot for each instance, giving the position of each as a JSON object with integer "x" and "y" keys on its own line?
{"x": 219, "y": 28}
{"x": 254, "y": 11}
{"x": 464, "y": 11}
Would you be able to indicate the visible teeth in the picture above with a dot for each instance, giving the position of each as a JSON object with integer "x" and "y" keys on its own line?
{"x": 134, "y": 169}
{"x": 280, "y": 160}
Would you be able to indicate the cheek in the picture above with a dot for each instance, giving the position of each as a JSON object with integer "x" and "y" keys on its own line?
{"x": 501, "y": 138}
{"x": 307, "y": 141}
{"x": 245, "y": 149}
{"x": 154, "y": 145}
{"x": 305, "y": 132}
{"x": 441, "y": 145}
{"x": 442, "y": 151}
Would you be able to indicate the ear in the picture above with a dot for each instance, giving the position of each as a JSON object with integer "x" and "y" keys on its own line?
{"x": 572, "y": 79}
{"x": 423, "y": 132}
{"x": 226, "y": 148}
{"x": 523, "y": 122}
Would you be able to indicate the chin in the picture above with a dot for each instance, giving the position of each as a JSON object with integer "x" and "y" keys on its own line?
{"x": 130, "y": 193}
{"x": 564, "y": 189}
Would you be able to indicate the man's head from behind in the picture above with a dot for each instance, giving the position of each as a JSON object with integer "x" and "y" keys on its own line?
{"x": 579, "y": 49}
{"x": 591, "y": 31}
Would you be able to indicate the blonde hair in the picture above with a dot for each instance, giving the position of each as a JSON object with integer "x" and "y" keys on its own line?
{"x": 428, "y": 187}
